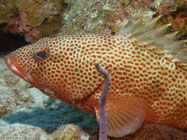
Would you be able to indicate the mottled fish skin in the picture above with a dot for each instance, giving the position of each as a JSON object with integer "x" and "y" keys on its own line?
{"x": 69, "y": 74}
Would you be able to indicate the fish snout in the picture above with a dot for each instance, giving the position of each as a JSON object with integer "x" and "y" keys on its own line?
{"x": 18, "y": 69}
{"x": 11, "y": 63}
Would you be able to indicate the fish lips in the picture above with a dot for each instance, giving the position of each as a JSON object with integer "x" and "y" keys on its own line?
{"x": 18, "y": 69}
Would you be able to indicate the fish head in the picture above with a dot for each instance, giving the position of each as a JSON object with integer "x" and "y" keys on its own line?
{"x": 56, "y": 67}
{"x": 29, "y": 61}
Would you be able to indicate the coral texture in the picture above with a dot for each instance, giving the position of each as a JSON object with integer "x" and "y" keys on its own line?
{"x": 32, "y": 18}
{"x": 175, "y": 13}
{"x": 39, "y": 18}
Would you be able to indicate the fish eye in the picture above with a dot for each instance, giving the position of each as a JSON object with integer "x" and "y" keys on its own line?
{"x": 41, "y": 54}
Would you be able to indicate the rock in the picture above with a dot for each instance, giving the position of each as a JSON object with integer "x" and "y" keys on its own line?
{"x": 69, "y": 132}
{"x": 37, "y": 19}
{"x": 32, "y": 18}
{"x": 21, "y": 132}
{"x": 12, "y": 90}
{"x": 104, "y": 16}
{"x": 175, "y": 12}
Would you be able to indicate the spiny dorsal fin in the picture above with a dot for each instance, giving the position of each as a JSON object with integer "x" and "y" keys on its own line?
{"x": 155, "y": 39}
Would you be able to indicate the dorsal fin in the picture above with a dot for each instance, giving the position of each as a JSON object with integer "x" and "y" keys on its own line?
{"x": 155, "y": 39}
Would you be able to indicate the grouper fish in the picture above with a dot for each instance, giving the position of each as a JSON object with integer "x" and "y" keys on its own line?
{"x": 147, "y": 69}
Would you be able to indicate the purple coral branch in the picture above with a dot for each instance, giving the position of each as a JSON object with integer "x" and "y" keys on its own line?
{"x": 103, "y": 131}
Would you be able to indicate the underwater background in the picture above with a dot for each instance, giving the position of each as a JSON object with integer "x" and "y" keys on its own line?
{"x": 26, "y": 113}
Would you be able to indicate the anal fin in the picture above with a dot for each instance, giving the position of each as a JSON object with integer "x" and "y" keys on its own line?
{"x": 125, "y": 115}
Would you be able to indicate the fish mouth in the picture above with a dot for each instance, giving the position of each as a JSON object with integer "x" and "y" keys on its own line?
{"x": 18, "y": 69}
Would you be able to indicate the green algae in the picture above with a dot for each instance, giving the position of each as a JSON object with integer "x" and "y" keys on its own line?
{"x": 125, "y": 2}
{"x": 46, "y": 29}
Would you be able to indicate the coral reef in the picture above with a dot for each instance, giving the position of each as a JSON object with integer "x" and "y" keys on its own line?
{"x": 175, "y": 13}
{"x": 103, "y": 16}
{"x": 39, "y": 18}
{"x": 32, "y": 18}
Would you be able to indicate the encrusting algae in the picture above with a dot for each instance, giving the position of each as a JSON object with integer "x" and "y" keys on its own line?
{"x": 147, "y": 69}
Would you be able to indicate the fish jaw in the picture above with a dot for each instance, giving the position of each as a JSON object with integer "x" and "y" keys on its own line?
{"x": 18, "y": 69}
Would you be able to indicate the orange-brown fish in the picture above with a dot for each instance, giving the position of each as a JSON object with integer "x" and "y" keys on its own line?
{"x": 147, "y": 72}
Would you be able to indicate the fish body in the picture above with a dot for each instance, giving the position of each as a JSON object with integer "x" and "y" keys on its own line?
{"x": 64, "y": 69}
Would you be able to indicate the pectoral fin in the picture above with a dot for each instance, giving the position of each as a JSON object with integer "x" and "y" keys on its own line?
{"x": 125, "y": 115}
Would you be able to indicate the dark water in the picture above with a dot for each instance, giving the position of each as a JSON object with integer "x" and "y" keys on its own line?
{"x": 10, "y": 42}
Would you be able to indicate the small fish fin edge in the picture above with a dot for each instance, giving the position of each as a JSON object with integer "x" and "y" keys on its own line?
{"x": 156, "y": 40}
{"x": 125, "y": 115}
